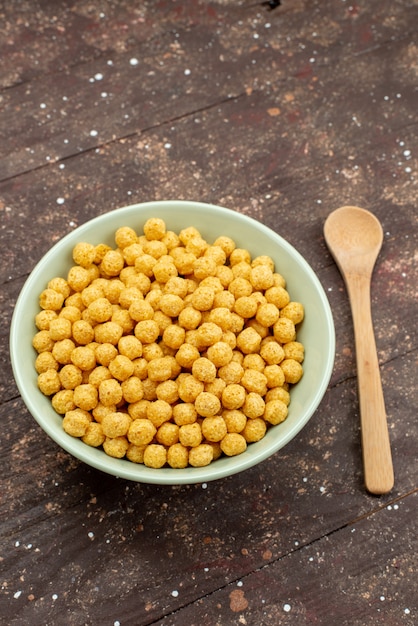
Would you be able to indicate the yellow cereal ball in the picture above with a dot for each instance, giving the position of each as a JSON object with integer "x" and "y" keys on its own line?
{"x": 278, "y": 296}
{"x": 60, "y": 329}
{"x": 240, "y": 287}
{"x": 62, "y": 351}
{"x": 276, "y": 412}
{"x": 116, "y": 446}
{"x": 98, "y": 374}
{"x": 151, "y": 351}
{"x": 116, "y": 424}
{"x": 122, "y": 318}
{"x": 110, "y": 392}
{"x": 132, "y": 389}
{"x": 84, "y": 254}
{"x": 245, "y": 306}
{"x": 201, "y": 455}
{"x": 236, "y": 323}
{"x": 45, "y": 361}
{"x": 171, "y": 305}
{"x": 284, "y": 330}
{"x": 155, "y": 228}
{"x": 167, "y": 434}
{"x": 100, "y": 251}
{"x": 177, "y": 286}
{"x": 158, "y": 412}
{"x": 184, "y": 262}
{"x": 292, "y": 370}
{"x": 155, "y": 248}
{"x": 204, "y": 370}
{"x": 239, "y": 255}
{"x": 168, "y": 391}
{"x": 230, "y": 338}
{"x": 202, "y": 298}
{"x": 100, "y": 310}
{"x": 70, "y": 376}
{"x": 192, "y": 337}
{"x": 129, "y": 295}
{"x": 75, "y": 300}
{"x": 231, "y": 373}
{"x": 233, "y": 444}
{"x": 242, "y": 270}
{"x": 197, "y": 246}
{"x": 82, "y": 332}
{"x": 220, "y": 353}
{"x": 263, "y": 331}
{"x": 207, "y": 404}
{"x": 263, "y": 260}
{"x": 141, "y": 431}
{"x": 278, "y": 393}
{"x": 204, "y": 266}
{"x": 76, "y": 422}
{"x": 138, "y": 410}
{"x": 121, "y": 367}
{"x": 186, "y": 355}
{"x": 275, "y": 376}
{"x": 254, "y": 405}
{"x": 130, "y": 347}
{"x": 131, "y": 252}
{"x": 83, "y": 357}
{"x": 91, "y": 293}
{"x": 261, "y": 277}
{"x": 78, "y": 278}
{"x": 108, "y": 332}
{"x": 190, "y": 435}
{"x": 63, "y": 401}
{"x": 254, "y": 430}
{"x": 171, "y": 240}
{"x": 94, "y": 436}
{"x": 105, "y": 353}
{"x": 248, "y": 341}
{"x": 112, "y": 263}
{"x": 100, "y": 410}
{"x": 94, "y": 272}
{"x": 49, "y": 382}
{"x": 209, "y": 334}
{"x": 135, "y": 453}
{"x": 163, "y": 322}
{"x": 189, "y": 318}
{"x": 147, "y": 331}
{"x": 42, "y": 341}
{"x": 267, "y": 314}
{"x": 271, "y": 351}
{"x": 226, "y": 243}
{"x": 235, "y": 420}
{"x": 144, "y": 264}
{"x": 173, "y": 336}
{"x": 44, "y": 318}
{"x": 125, "y": 236}
{"x": 216, "y": 387}
{"x": 254, "y": 381}
{"x": 184, "y": 413}
{"x": 140, "y": 368}
{"x": 51, "y": 300}
{"x": 60, "y": 285}
{"x": 159, "y": 369}
{"x": 141, "y": 310}
{"x": 86, "y": 396}
{"x": 293, "y": 311}
{"x": 163, "y": 270}
{"x": 178, "y": 456}
{"x": 294, "y": 350}
{"x": 71, "y": 313}
{"x": 254, "y": 362}
{"x": 214, "y": 428}
{"x": 155, "y": 456}
{"x": 221, "y": 316}
{"x": 217, "y": 254}
{"x": 233, "y": 396}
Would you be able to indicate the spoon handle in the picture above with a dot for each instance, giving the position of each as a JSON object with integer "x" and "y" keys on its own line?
{"x": 377, "y": 457}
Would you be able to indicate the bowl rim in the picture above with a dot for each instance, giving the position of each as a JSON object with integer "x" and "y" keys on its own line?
{"x": 123, "y": 468}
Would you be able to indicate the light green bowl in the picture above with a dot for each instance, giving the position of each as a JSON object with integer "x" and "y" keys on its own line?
{"x": 316, "y": 332}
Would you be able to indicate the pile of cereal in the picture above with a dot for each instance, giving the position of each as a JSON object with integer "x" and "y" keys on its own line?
{"x": 167, "y": 350}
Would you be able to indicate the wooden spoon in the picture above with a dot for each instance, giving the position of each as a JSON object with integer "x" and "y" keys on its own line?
{"x": 354, "y": 237}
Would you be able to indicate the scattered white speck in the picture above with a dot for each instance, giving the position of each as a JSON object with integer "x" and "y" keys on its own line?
{"x": 401, "y": 143}
{"x": 311, "y": 559}
{"x": 268, "y": 25}
{"x": 47, "y": 158}
{"x": 90, "y": 534}
{"x": 17, "y": 595}
{"x": 329, "y": 288}
{"x": 407, "y": 153}
{"x": 133, "y": 61}
{"x": 98, "y": 76}
{"x": 239, "y": 583}
{"x": 406, "y": 611}
{"x": 91, "y": 80}
{"x": 396, "y": 506}
{"x": 204, "y": 485}
{"x": 29, "y": 546}
{"x": 167, "y": 145}
{"x": 110, "y": 62}
{"x": 42, "y": 105}
{"x": 389, "y": 507}
{"x": 398, "y": 95}
{"x": 386, "y": 98}
{"x": 72, "y": 223}
{"x": 117, "y": 623}
{"x": 322, "y": 489}
{"x": 129, "y": 193}
{"x": 312, "y": 60}
{"x": 93, "y": 133}
{"x": 304, "y": 479}
{"x": 353, "y": 530}
{"x": 175, "y": 593}
{"x": 104, "y": 94}
{"x": 205, "y": 569}
{"x": 54, "y": 596}
{"x": 286, "y": 607}
{"x": 61, "y": 166}
{"x": 296, "y": 543}
{"x": 408, "y": 170}
{"x": 256, "y": 36}
{"x": 17, "y": 544}
{"x": 187, "y": 72}
{"x": 102, "y": 15}
{"x": 60, "y": 200}
{"x": 65, "y": 140}
{"x": 65, "y": 98}
{"x": 382, "y": 598}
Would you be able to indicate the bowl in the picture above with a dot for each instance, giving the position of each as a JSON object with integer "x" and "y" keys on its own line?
{"x": 316, "y": 332}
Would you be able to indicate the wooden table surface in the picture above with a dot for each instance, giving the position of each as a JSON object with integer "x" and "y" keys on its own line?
{"x": 282, "y": 111}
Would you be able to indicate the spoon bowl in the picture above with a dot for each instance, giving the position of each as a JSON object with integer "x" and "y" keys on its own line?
{"x": 354, "y": 237}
